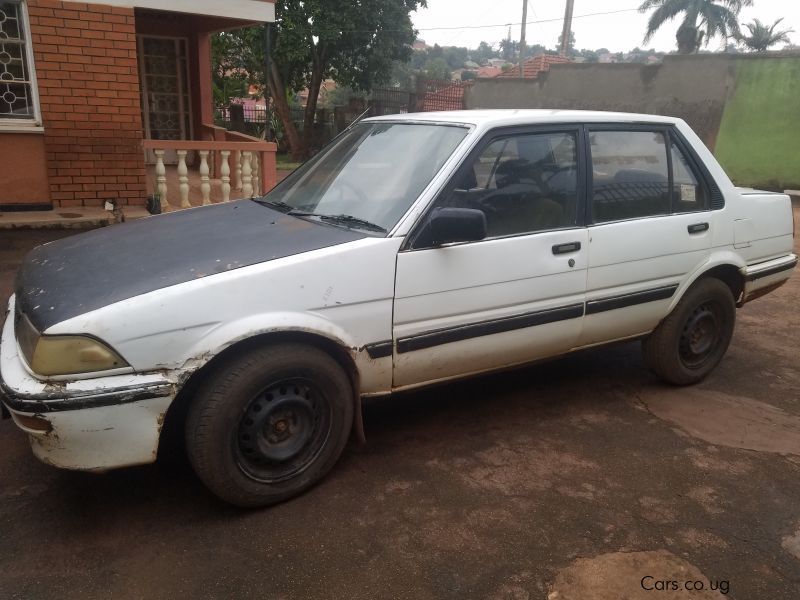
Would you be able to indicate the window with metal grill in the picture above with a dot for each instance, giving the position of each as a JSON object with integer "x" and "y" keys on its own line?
{"x": 17, "y": 94}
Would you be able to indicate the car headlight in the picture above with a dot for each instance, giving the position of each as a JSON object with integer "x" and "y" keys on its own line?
{"x": 64, "y": 354}
{"x": 72, "y": 354}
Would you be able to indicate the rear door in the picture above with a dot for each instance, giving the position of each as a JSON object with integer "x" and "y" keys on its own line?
{"x": 649, "y": 227}
{"x": 518, "y": 294}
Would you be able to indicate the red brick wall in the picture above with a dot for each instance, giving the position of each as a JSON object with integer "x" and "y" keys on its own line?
{"x": 87, "y": 73}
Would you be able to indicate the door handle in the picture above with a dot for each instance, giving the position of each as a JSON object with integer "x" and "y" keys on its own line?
{"x": 698, "y": 227}
{"x": 566, "y": 248}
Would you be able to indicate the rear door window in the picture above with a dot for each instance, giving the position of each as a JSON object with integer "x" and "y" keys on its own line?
{"x": 630, "y": 175}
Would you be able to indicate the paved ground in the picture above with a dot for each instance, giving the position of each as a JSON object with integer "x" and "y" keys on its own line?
{"x": 579, "y": 479}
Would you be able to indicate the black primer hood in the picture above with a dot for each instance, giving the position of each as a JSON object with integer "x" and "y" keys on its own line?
{"x": 75, "y": 275}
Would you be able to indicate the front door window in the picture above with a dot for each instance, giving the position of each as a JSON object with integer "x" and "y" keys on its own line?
{"x": 523, "y": 184}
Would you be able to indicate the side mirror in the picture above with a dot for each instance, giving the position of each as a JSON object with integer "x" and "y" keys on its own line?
{"x": 448, "y": 225}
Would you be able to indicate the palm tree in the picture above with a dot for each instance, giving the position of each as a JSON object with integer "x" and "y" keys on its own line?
{"x": 762, "y": 37}
{"x": 702, "y": 20}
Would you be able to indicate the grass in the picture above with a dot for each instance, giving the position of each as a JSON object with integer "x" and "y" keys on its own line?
{"x": 285, "y": 162}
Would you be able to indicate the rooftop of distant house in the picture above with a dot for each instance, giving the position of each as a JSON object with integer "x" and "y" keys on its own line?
{"x": 489, "y": 71}
{"x": 535, "y": 65}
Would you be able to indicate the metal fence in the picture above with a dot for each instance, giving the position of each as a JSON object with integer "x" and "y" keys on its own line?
{"x": 392, "y": 101}
{"x": 428, "y": 95}
{"x": 250, "y": 119}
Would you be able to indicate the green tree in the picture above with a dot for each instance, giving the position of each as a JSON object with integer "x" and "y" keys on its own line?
{"x": 232, "y": 74}
{"x": 484, "y": 52}
{"x": 762, "y": 36}
{"x": 437, "y": 68}
{"x": 314, "y": 40}
{"x": 402, "y": 76}
{"x": 590, "y": 56}
{"x": 535, "y": 49}
{"x": 702, "y": 20}
{"x": 570, "y": 43}
{"x": 455, "y": 56}
{"x": 508, "y": 49}
{"x": 419, "y": 58}
{"x": 352, "y": 43}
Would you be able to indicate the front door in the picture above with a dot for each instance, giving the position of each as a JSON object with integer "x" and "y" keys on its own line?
{"x": 514, "y": 297}
{"x": 164, "y": 76}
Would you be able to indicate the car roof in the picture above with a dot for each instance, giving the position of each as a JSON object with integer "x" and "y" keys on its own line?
{"x": 510, "y": 117}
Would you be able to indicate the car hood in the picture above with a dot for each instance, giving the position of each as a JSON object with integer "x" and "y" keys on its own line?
{"x": 73, "y": 276}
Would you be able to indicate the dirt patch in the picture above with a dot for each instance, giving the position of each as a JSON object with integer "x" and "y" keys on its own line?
{"x": 633, "y": 576}
{"x": 791, "y": 544}
{"x": 527, "y": 465}
{"x": 657, "y": 510}
{"x": 701, "y": 540}
{"x": 708, "y": 461}
{"x": 726, "y": 420}
{"x": 708, "y": 498}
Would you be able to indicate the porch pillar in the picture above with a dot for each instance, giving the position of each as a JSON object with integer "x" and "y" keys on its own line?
{"x": 201, "y": 81}
{"x": 269, "y": 175}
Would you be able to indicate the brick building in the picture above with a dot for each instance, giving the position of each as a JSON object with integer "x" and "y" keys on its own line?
{"x": 88, "y": 90}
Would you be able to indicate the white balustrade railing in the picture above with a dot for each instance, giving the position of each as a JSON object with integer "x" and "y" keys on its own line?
{"x": 252, "y": 165}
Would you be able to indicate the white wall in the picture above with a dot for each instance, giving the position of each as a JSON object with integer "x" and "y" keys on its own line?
{"x": 251, "y": 10}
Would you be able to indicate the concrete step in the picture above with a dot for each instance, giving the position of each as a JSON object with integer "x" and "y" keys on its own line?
{"x": 67, "y": 218}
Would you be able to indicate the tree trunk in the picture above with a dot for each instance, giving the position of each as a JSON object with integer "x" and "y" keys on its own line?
{"x": 311, "y": 107}
{"x": 278, "y": 93}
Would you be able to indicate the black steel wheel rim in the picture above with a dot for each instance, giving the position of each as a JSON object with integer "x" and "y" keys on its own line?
{"x": 701, "y": 335}
{"x": 282, "y": 430}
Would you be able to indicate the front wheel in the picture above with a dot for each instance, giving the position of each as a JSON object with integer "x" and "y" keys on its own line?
{"x": 692, "y": 340}
{"x": 268, "y": 425}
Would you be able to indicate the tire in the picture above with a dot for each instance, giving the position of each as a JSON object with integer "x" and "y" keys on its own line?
{"x": 691, "y": 341}
{"x": 268, "y": 425}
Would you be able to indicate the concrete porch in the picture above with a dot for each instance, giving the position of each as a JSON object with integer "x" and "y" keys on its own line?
{"x": 82, "y": 217}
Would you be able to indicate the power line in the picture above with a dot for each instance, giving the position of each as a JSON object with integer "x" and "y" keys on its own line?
{"x": 537, "y": 22}
{"x": 343, "y": 30}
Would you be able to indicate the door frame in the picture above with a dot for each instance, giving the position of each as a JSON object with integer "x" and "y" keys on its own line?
{"x": 185, "y": 85}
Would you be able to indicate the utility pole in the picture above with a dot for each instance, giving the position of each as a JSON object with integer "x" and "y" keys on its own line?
{"x": 522, "y": 39}
{"x": 566, "y": 34}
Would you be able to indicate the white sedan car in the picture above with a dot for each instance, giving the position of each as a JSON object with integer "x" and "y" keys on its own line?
{"x": 414, "y": 249}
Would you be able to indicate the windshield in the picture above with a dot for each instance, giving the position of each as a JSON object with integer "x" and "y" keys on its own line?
{"x": 371, "y": 175}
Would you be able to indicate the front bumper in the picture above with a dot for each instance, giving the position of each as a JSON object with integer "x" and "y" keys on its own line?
{"x": 91, "y": 424}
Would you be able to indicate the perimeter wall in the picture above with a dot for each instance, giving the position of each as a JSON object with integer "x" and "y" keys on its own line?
{"x": 746, "y": 108}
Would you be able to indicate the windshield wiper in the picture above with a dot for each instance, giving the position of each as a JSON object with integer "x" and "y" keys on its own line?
{"x": 276, "y": 203}
{"x": 287, "y": 209}
{"x": 351, "y": 220}
{"x": 342, "y": 219}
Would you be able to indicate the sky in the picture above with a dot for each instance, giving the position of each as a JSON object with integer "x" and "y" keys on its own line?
{"x": 619, "y": 32}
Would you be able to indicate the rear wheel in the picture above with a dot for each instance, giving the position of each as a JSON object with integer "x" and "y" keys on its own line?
{"x": 268, "y": 425}
{"x": 692, "y": 340}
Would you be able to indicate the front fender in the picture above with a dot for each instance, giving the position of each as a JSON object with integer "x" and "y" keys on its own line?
{"x": 375, "y": 375}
